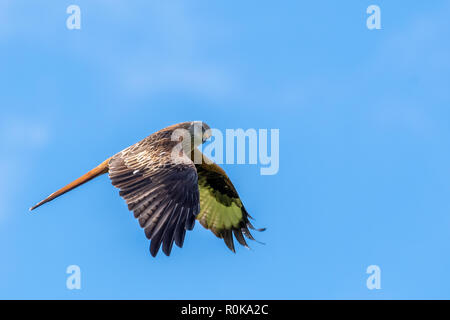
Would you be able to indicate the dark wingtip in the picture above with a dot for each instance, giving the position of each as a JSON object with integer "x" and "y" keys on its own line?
{"x": 248, "y": 234}
{"x": 167, "y": 249}
{"x": 260, "y": 230}
{"x": 153, "y": 252}
{"x": 228, "y": 238}
{"x": 250, "y": 225}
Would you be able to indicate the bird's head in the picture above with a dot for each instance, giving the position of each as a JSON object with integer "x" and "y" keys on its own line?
{"x": 199, "y": 131}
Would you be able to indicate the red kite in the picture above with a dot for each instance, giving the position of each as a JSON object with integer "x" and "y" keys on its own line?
{"x": 167, "y": 195}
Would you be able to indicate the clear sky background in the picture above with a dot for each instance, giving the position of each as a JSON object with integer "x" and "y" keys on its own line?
{"x": 364, "y": 123}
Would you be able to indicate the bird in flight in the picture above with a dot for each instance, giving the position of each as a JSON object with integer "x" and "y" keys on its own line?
{"x": 168, "y": 184}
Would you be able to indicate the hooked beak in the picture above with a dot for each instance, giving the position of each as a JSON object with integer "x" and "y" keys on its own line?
{"x": 207, "y": 134}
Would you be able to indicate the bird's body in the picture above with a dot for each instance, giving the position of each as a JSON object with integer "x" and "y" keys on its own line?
{"x": 168, "y": 184}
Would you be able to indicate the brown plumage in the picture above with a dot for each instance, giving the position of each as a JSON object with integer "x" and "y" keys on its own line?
{"x": 168, "y": 184}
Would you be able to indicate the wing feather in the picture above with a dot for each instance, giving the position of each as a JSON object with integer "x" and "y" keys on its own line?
{"x": 162, "y": 194}
{"x": 221, "y": 209}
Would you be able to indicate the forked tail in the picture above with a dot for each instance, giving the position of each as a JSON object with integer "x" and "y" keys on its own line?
{"x": 99, "y": 170}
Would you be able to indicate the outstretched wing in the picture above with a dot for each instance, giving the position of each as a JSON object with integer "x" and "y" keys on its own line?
{"x": 162, "y": 194}
{"x": 221, "y": 209}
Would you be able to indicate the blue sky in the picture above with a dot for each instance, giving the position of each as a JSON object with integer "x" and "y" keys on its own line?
{"x": 363, "y": 116}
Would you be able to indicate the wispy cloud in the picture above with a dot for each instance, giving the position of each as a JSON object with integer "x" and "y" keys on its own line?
{"x": 162, "y": 51}
{"x": 18, "y": 137}
{"x": 409, "y": 64}
{"x": 5, "y": 17}
{"x": 199, "y": 80}
{"x": 21, "y": 133}
{"x": 162, "y": 54}
{"x": 8, "y": 184}
{"x": 416, "y": 59}
{"x": 145, "y": 70}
